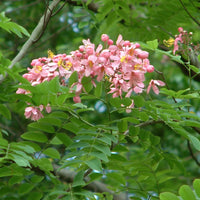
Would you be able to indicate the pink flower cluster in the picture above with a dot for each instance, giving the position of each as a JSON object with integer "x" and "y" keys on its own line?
{"x": 184, "y": 37}
{"x": 34, "y": 112}
{"x": 123, "y": 64}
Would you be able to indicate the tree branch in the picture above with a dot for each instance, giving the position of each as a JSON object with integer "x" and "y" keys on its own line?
{"x": 92, "y": 6}
{"x": 95, "y": 186}
{"x": 37, "y": 32}
{"x": 192, "y": 154}
{"x": 143, "y": 124}
{"x": 186, "y": 10}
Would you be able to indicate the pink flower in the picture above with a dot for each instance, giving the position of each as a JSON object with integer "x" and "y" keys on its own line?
{"x": 180, "y": 29}
{"x": 77, "y": 99}
{"x": 48, "y": 108}
{"x": 176, "y": 47}
{"x": 104, "y": 37}
{"x": 33, "y": 112}
{"x": 21, "y": 91}
{"x": 150, "y": 68}
{"x": 153, "y": 84}
{"x": 141, "y": 54}
{"x": 110, "y": 42}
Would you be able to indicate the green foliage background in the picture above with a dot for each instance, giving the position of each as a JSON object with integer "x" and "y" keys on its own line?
{"x": 139, "y": 155}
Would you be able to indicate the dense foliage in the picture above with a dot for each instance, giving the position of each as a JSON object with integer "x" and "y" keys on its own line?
{"x": 99, "y": 99}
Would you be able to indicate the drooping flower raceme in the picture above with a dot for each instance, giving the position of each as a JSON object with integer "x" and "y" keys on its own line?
{"x": 123, "y": 64}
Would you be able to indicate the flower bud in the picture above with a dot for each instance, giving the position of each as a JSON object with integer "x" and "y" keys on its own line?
{"x": 104, "y": 37}
{"x": 180, "y": 29}
{"x": 150, "y": 68}
{"x": 110, "y": 42}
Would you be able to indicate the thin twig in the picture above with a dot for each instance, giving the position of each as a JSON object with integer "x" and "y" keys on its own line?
{"x": 186, "y": 10}
{"x": 36, "y": 32}
{"x": 59, "y": 9}
{"x": 192, "y": 154}
{"x": 147, "y": 123}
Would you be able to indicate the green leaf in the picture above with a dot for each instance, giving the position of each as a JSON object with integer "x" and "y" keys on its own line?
{"x": 98, "y": 90}
{"x": 194, "y": 95}
{"x": 94, "y": 176}
{"x": 58, "y": 192}
{"x": 122, "y": 125}
{"x": 61, "y": 98}
{"x": 190, "y": 123}
{"x": 167, "y": 92}
{"x": 83, "y": 24}
{"x": 35, "y": 195}
{"x": 73, "y": 78}
{"x": 139, "y": 101}
{"x": 134, "y": 131}
{"x": 25, "y": 188}
{"x": 36, "y": 136}
{"x": 20, "y": 160}
{"x": 59, "y": 114}
{"x": 117, "y": 177}
{"x": 5, "y": 111}
{"x": 15, "y": 179}
{"x": 195, "y": 69}
{"x": 11, "y": 26}
{"x": 104, "y": 139}
{"x": 168, "y": 196}
{"x": 37, "y": 179}
{"x": 198, "y": 57}
{"x": 3, "y": 142}
{"x": 94, "y": 164}
{"x": 116, "y": 102}
{"x": 53, "y": 153}
{"x": 87, "y": 84}
{"x": 54, "y": 85}
{"x": 103, "y": 148}
{"x": 153, "y": 44}
{"x": 196, "y": 186}
{"x": 99, "y": 155}
{"x": 186, "y": 193}
{"x": 51, "y": 120}
{"x": 44, "y": 164}
{"x": 195, "y": 141}
{"x": 66, "y": 140}
{"x": 42, "y": 126}
{"x": 12, "y": 170}
{"x": 126, "y": 101}
{"x": 56, "y": 141}
{"x": 78, "y": 179}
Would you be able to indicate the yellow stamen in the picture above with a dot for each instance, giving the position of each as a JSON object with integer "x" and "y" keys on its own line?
{"x": 50, "y": 54}
{"x": 137, "y": 66}
{"x": 169, "y": 42}
{"x": 37, "y": 69}
{"x": 90, "y": 63}
{"x": 66, "y": 65}
{"x": 123, "y": 58}
{"x": 106, "y": 77}
{"x": 60, "y": 62}
{"x": 131, "y": 51}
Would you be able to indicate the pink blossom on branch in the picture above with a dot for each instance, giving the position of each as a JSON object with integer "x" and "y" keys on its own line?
{"x": 181, "y": 42}
{"x": 153, "y": 84}
{"x": 33, "y": 112}
{"x": 123, "y": 64}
